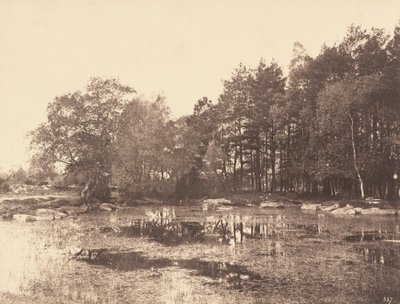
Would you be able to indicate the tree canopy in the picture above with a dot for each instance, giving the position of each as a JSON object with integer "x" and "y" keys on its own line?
{"x": 331, "y": 126}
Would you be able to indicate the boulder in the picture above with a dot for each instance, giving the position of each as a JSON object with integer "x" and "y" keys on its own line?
{"x": 213, "y": 203}
{"x": 378, "y": 211}
{"x": 45, "y": 217}
{"x": 347, "y": 210}
{"x": 72, "y": 210}
{"x": 105, "y": 207}
{"x": 271, "y": 205}
{"x": 51, "y": 213}
{"x": 24, "y": 218}
{"x": 311, "y": 207}
{"x": 331, "y": 207}
{"x": 109, "y": 207}
{"x": 371, "y": 200}
{"x": 223, "y": 208}
{"x": 153, "y": 201}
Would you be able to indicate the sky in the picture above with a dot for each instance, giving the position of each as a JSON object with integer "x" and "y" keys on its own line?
{"x": 183, "y": 49}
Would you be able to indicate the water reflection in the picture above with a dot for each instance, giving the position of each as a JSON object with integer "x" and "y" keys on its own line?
{"x": 164, "y": 227}
{"x": 388, "y": 254}
{"x": 374, "y": 235}
{"x": 125, "y": 260}
{"x": 284, "y": 256}
{"x": 234, "y": 276}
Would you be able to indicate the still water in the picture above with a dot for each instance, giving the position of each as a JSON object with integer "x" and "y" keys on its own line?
{"x": 187, "y": 255}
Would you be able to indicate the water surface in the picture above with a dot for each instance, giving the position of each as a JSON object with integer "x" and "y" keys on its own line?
{"x": 187, "y": 255}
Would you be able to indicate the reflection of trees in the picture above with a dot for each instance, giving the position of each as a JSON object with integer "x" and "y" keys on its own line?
{"x": 163, "y": 226}
{"x": 381, "y": 255}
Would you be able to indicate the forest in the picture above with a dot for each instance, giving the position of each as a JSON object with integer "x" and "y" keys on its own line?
{"x": 329, "y": 126}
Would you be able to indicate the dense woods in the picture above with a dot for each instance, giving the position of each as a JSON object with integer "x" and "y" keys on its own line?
{"x": 331, "y": 126}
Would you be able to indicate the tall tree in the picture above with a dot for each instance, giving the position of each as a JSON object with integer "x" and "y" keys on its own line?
{"x": 142, "y": 144}
{"x": 80, "y": 132}
{"x": 343, "y": 105}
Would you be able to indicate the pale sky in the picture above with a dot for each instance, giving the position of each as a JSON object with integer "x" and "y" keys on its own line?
{"x": 183, "y": 49}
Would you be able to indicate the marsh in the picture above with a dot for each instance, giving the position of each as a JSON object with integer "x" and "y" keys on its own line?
{"x": 184, "y": 254}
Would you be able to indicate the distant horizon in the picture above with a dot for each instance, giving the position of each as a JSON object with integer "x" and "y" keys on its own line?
{"x": 183, "y": 50}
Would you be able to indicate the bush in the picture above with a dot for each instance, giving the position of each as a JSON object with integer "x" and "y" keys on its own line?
{"x": 4, "y": 186}
{"x": 191, "y": 186}
{"x": 102, "y": 191}
{"x": 130, "y": 192}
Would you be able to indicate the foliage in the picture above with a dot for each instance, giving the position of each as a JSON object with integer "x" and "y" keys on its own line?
{"x": 143, "y": 145}
{"x": 81, "y": 129}
{"x": 332, "y": 125}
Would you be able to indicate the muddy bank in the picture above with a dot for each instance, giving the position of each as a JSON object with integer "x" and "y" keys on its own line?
{"x": 30, "y": 208}
{"x": 54, "y": 206}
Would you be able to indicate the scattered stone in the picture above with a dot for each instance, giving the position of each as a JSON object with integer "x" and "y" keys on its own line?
{"x": 371, "y": 200}
{"x": 72, "y": 210}
{"x": 215, "y": 201}
{"x": 138, "y": 202}
{"x": 105, "y": 208}
{"x": 271, "y": 205}
{"x": 331, "y": 208}
{"x": 24, "y": 218}
{"x": 45, "y": 217}
{"x": 7, "y": 216}
{"x": 223, "y": 208}
{"x": 212, "y": 204}
{"x": 347, "y": 210}
{"x": 52, "y": 213}
{"x": 153, "y": 201}
{"x": 311, "y": 207}
{"x": 378, "y": 211}
{"x": 108, "y": 207}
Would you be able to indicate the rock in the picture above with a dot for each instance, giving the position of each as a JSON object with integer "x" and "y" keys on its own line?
{"x": 72, "y": 210}
{"x": 52, "y": 213}
{"x": 213, "y": 203}
{"x": 35, "y": 218}
{"x": 24, "y": 218}
{"x": 44, "y": 217}
{"x": 378, "y": 211}
{"x": 331, "y": 208}
{"x": 109, "y": 206}
{"x": 371, "y": 200}
{"x": 7, "y": 216}
{"x": 311, "y": 207}
{"x": 347, "y": 210}
{"x": 153, "y": 201}
{"x": 104, "y": 207}
{"x": 223, "y": 208}
{"x": 216, "y": 201}
{"x": 271, "y": 205}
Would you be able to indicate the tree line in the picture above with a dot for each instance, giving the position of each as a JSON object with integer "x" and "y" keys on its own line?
{"x": 330, "y": 126}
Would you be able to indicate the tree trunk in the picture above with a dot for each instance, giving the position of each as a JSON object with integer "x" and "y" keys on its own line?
{"x": 96, "y": 189}
{"x": 273, "y": 177}
{"x": 234, "y": 170}
{"x": 287, "y": 161}
{"x": 266, "y": 161}
{"x": 360, "y": 180}
{"x": 258, "y": 164}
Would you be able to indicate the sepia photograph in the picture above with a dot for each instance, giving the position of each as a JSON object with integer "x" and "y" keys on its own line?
{"x": 199, "y": 151}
